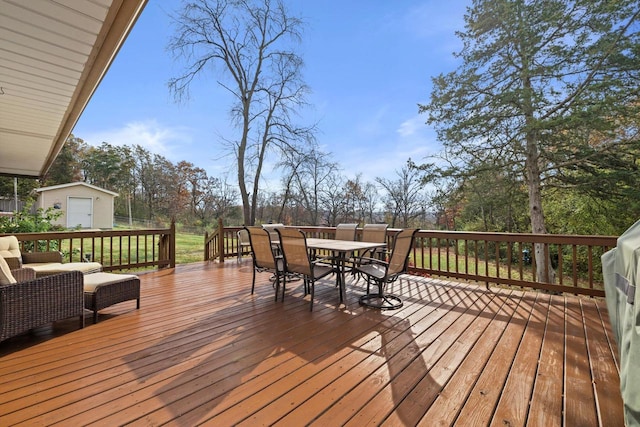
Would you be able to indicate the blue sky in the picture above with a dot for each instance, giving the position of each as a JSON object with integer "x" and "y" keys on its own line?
{"x": 368, "y": 63}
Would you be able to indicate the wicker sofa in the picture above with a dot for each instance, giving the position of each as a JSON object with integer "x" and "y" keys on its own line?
{"x": 44, "y": 263}
{"x": 33, "y": 302}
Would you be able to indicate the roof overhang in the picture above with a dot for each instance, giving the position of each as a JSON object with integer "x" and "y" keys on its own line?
{"x": 53, "y": 55}
{"x": 76, "y": 184}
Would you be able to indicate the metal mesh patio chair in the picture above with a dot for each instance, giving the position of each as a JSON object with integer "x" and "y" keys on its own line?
{"x": 297, "y": 259}
{"x": 381, "y": 273}
{"x": 271, "y": 228}
{"x": 346, "y": 231}
{"x": 264, "y": 258}
{"x": 375, "y": 233}
{"x": 244, "y": 245}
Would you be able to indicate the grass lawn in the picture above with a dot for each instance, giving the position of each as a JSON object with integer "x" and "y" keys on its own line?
{"x": 189, "y": 248}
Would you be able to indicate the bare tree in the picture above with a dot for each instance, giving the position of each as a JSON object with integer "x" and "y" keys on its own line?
{"x": 404, "y": 199}
{"x": 332, "y": 199}
{"x": 253, "y": 40}
{"x": 306, "y": 173}
{"x": 219, "y": 199}
{"x": 369, "y": 202}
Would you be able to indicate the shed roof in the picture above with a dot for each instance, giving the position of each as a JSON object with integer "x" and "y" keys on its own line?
{"x": 74, "y": 184}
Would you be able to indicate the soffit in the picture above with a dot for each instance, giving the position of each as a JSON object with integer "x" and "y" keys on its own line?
{"x": 53, "y": 55}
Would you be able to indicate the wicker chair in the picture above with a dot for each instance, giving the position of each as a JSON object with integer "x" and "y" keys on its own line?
{"x": 381, "y": 273}
{"x": 44, "y": 263}
{"x": 33, "y": 302}
{"x": 297, "y": 259}
{"x": 10, "y": 250}
{"x": 263, "y": 256}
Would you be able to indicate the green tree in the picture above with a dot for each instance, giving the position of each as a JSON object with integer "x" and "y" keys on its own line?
{"x": 25, "y": 190}
{"x": 67, "y": 167}
{"x": 253, "y": 42}
{"x": 102, "y": 166}
{"x": 536, "y": 80}
{"x": 493, "y": 201}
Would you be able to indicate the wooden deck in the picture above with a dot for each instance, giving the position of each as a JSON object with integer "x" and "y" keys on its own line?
{"x": 202, "y": 350}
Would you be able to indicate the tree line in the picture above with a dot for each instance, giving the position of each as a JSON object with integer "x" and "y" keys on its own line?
{"x": 313, "y": 190}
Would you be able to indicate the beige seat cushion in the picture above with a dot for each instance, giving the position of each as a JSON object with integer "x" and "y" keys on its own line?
{"x": 92, "y": 281}
{"x": 9, "y": 247}
{"x": 6, "y": 278}
{"x": 47, "y": 268}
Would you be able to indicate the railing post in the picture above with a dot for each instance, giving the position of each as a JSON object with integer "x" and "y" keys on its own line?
{"x": 172, "y": 245}
{"x": 221, "y": 240}
{"x": 206, "y": 246}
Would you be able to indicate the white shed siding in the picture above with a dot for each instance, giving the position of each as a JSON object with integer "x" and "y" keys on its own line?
{"x": 57, "y": 197}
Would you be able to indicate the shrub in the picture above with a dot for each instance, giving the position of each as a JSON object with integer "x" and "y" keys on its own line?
{"x": 26, "y": 222}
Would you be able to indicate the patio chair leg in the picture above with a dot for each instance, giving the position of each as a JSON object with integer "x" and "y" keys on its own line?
{"x": 253, "y": 281}
{"x": 277, "y": 284}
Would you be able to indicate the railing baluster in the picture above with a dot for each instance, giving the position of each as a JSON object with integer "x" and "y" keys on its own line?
{"x": 560, "y": 264}
{"x": 98, "y": 242}
{"x": 590, "y": 264}
{"x": 466, "y": 256}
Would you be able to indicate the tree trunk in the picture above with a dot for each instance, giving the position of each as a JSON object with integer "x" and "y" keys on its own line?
{"x": 241, "y": 156}
{"x": 544, "y": 271}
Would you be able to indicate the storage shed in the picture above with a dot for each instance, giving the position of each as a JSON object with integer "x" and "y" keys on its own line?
{"x": 83, "y": 205}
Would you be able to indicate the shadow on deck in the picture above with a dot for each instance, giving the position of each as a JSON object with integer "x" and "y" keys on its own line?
{"x": 202, "y": 350}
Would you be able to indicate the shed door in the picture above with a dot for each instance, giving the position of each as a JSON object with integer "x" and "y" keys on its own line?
{"x": 79, "y": 212}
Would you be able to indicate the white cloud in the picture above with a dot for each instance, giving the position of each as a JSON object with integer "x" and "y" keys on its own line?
{"x": 412, "y": 126}
{"x": 153, "y": 136}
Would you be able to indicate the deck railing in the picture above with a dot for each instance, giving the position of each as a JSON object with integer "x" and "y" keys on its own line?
{"x": 491, "y": 258}
{"x": 114, "y": 249}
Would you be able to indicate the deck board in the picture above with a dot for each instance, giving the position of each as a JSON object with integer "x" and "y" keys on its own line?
{"x": 203, "y": 351}
{"x": 516, "y": 394}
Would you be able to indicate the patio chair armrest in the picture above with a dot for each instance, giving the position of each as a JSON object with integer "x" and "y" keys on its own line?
{"x": 23, "y": 274}
{"x": 369, "y": 260}
{"x": 33, "y": 257}
{"x": 373, "y": 253}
